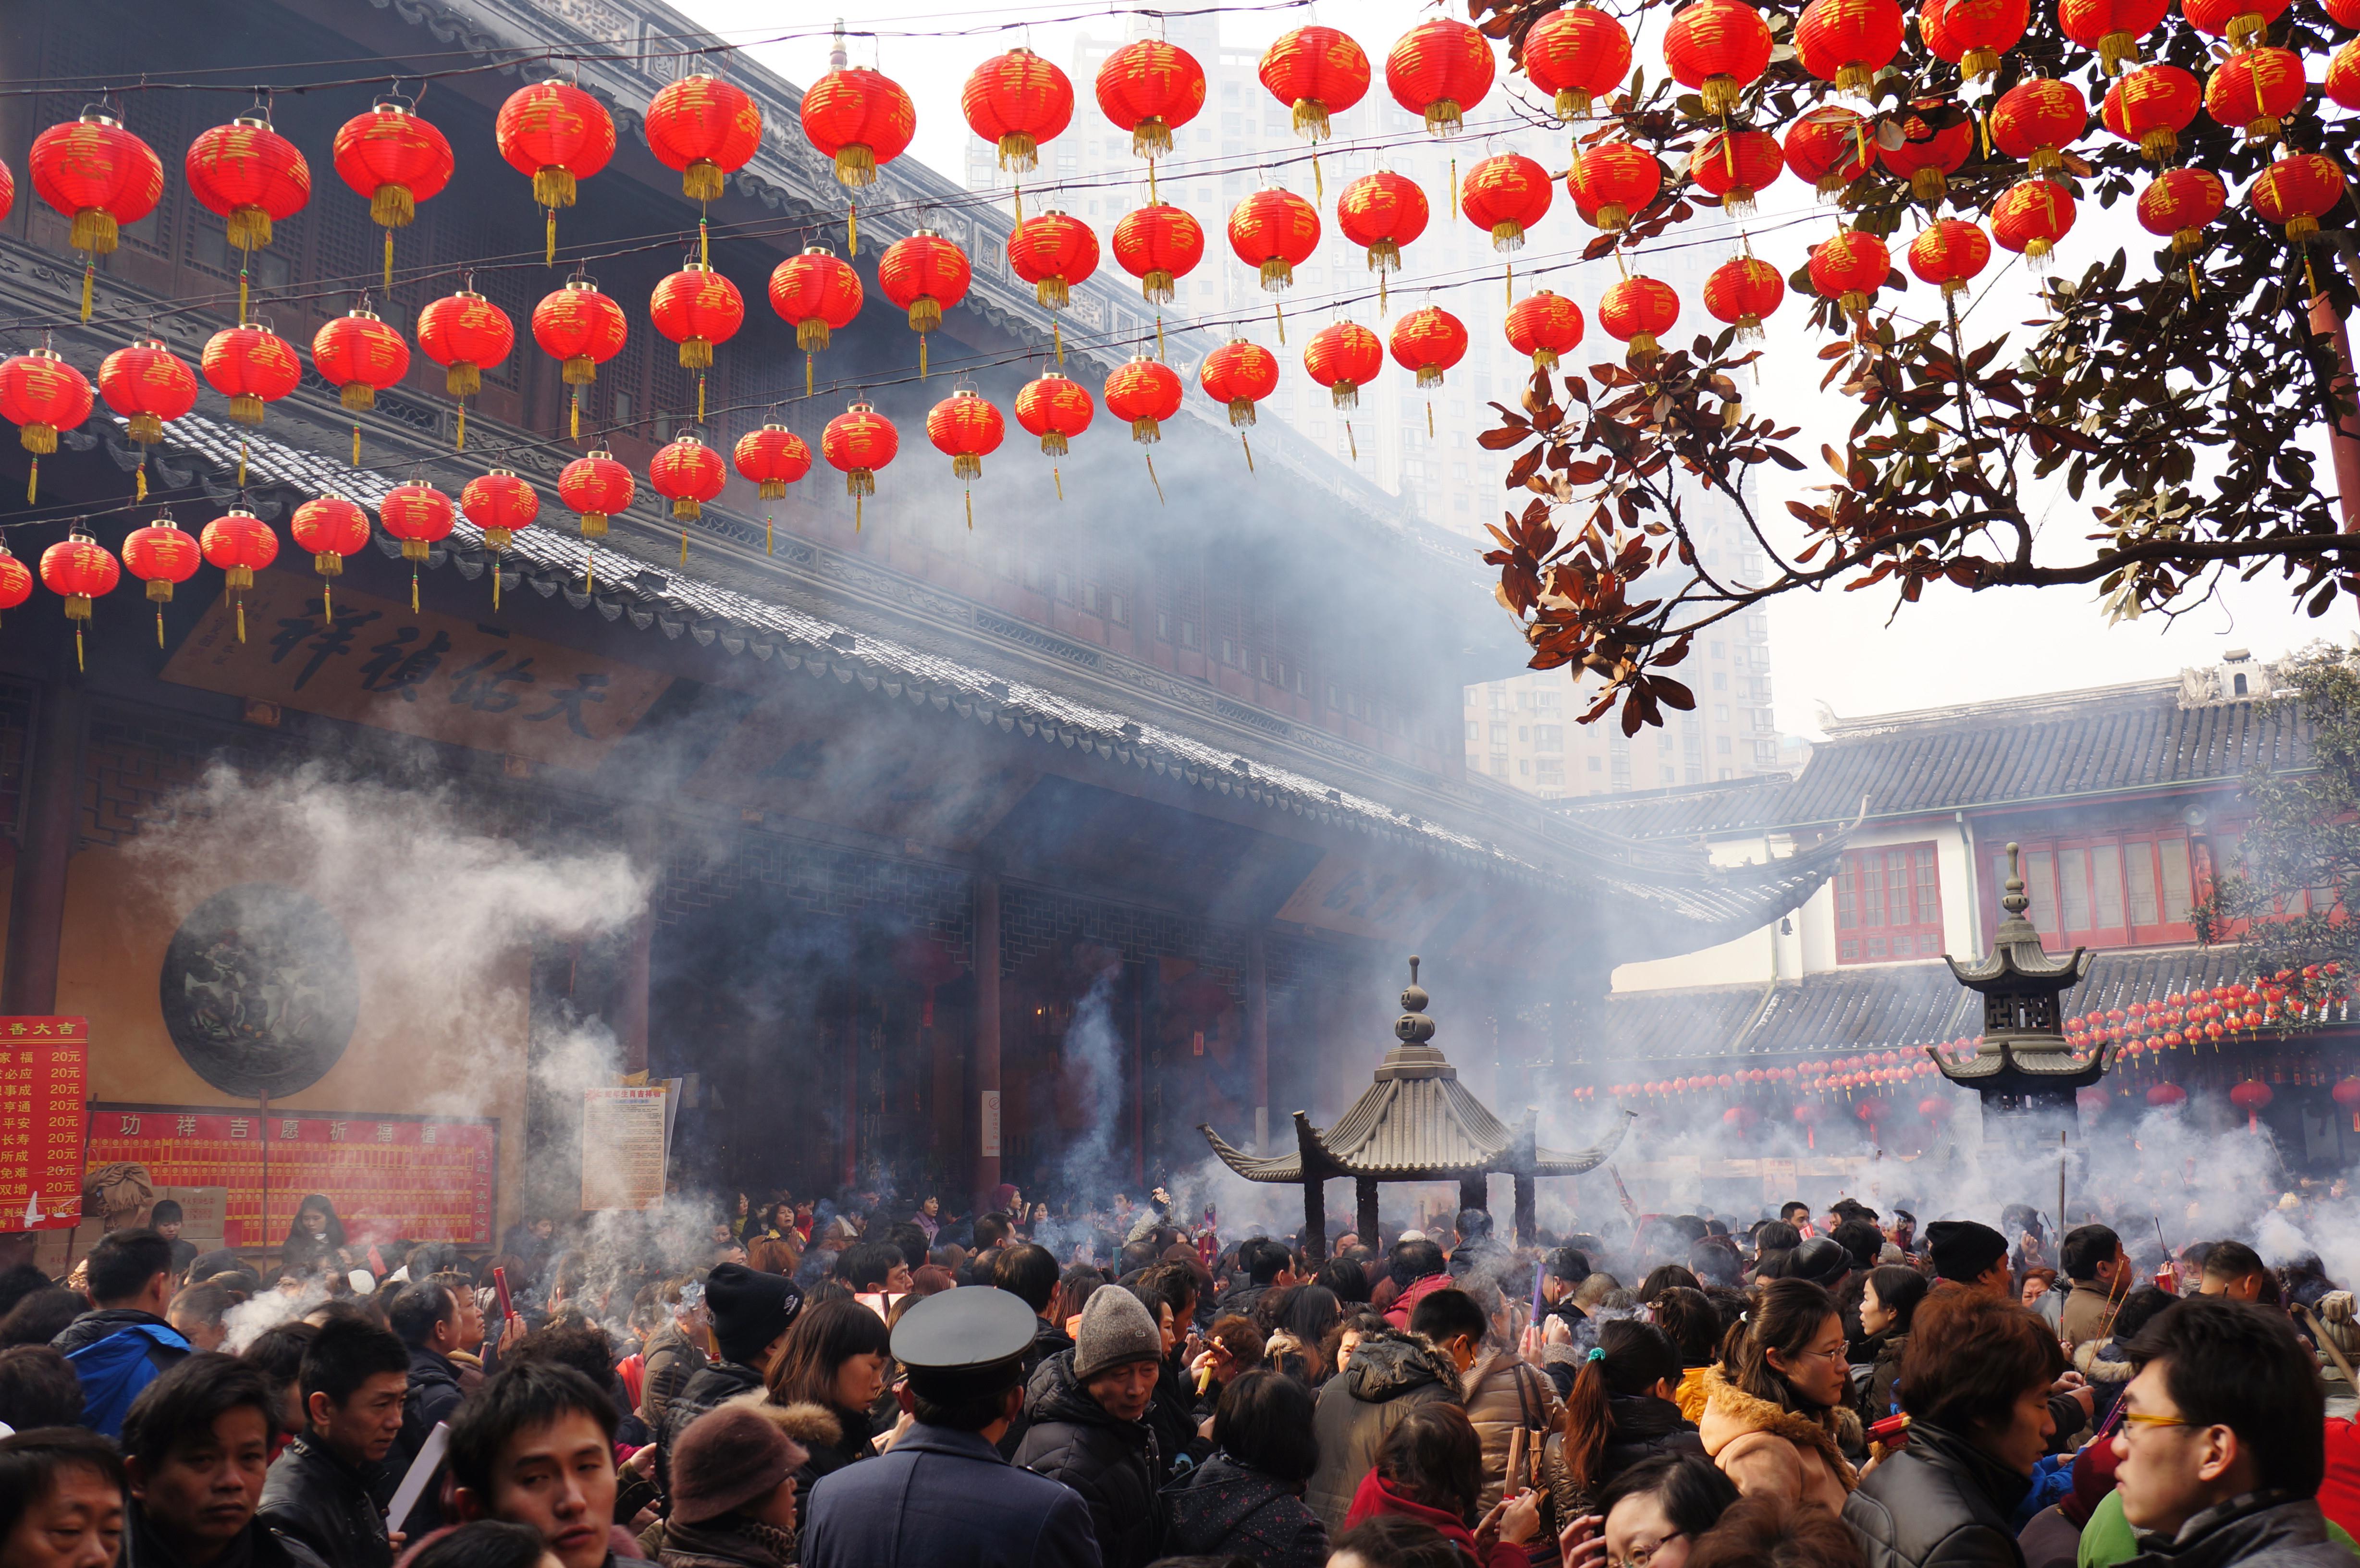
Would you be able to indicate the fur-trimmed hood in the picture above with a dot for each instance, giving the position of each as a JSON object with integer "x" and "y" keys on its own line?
{"x": 1730, "y": 1413}
{"x": 811, "y": 1426}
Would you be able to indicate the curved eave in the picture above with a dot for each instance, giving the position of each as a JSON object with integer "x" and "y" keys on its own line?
{"x": 1287, "y": 1167}
{"x": 1576, "y": 1162}
{"x": 1677, "y": 915}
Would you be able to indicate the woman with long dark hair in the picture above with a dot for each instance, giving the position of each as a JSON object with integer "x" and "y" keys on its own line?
{"x": 1619, "y": 1411}
{"x": 831, "y": 1370}
{"x": 1888, "y": 1304}
{"x": 1773, "y": 1404}
{"x": 315, "y": 1237}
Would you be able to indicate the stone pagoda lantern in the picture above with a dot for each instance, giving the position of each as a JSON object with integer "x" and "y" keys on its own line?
{"x": 2023, "y": 1066}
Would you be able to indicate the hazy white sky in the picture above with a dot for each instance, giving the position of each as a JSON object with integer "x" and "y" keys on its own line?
{"x": 1833, "y": 648}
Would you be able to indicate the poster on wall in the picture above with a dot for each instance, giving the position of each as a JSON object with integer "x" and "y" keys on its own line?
{"x": 624, "y": 1139}
{"x": 44, "y": 1079}
{"x": 425, "y": 1177}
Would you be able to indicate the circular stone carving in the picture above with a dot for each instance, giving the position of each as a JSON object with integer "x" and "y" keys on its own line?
{"x": 258, "y": 991}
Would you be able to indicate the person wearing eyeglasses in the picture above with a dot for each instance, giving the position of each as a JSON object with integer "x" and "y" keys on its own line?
{"x": 1651, "y": 1515}
{"x": 2222, "y": 1444}
{"x": 1771, "y": 1408}
{"x": 1976, "y": 1380}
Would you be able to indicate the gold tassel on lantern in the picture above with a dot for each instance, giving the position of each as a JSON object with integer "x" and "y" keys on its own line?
{"x": 1151, "y": 479}
{"x": 1353, "y": 441}
{"x": 1249, "y": 446}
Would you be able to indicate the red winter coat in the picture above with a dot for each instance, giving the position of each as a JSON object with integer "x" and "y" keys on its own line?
{"x": 1406, "y": 1302}
{"x": 1377, "y": 1500}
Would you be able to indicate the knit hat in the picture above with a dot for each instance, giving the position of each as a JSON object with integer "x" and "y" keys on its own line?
{"x": 729, "y": 1457}
{"x": 1115, "y": 1329}
{"x": 1820, "y": 1260}
{"x": 1962, "y": 1249}
{"x": 749, "y": 1310}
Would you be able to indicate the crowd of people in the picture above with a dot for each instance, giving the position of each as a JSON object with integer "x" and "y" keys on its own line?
{"x": 855, "y": 1384}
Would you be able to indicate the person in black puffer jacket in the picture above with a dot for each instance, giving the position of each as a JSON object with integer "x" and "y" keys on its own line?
{"x": 1974, "y": 1380}
{"x": 1619, "y": 1411}
{"x": 752, "y": 1314}
{"x": 1247, "y": 1500}
{"x": 1086, "y": 1408}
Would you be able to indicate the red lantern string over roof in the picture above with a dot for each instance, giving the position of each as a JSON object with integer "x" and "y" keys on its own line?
{"x": 2256, "y": 90}
{"x": 331, "y": 528}
{"x": 966, "y": 428}
{"x": 1056, "y": 409}
{"x": 1948, "y": 254}
{"x": 862, "y": 119}
{"x": 924, "y": 276}
{"x": 697, "y": 308}
{"x": 1847, "y": 42}
{"x": 1849, "y": 268}
{"x": 2296, "y": 191}
{"x": 161, "y": 555}
{"x": 1717, "y": 47}
{"x": 1612, "y": 181}
{"x": 559, "y": 135}
{"x": 1317, "y": 73}
{"x": 1730, "y": 166}
{"x": 1928, "y": 156}
{"x": 20, "y": 573}
{"x": 595, "y": 487}
{"x": 1507, "y": 193}
{"x": 1343, "y": 357}
{"x": 2037, "y": 119}
{"x": 1428, "y": 341}
{"x": 1054, "y": 252}
{"x": 1581, "y": 54}
{"x": 250, "y": 365}
{"x": 582, "y": 329}
{"x": 1146, "y": 392}
{"x": 1381, "y": 211}
{"x": 1979, "y": 31}
{"x": 2030, "y": 217}
{"x": 2178, "y": 204}
{"x": 1159, "y": 245}
{"x": 499, "y": 503}
{"x": 2112, "y": 27}
{"x": 251, "y": 176}
{"x": 1439, "y": 70}
{"x": 2343, "y": 81}
{"x": 421, "y": 517}
{"x": 466, "y": 334}
{"x": 1239, "y": 373}
{"x": 1637, "y": 311}
{"x": 102, "y": 177}
{"x": 687, "y": 473}
{"x": 396, "y": 160}
{"x": 1742, "y": 292}
{"x": 1018, "y": 100}
{"x": 770, "y": 459}
{"x": 1546, "y": 326}
{"x": 150, "y": 386}
{"x": 1830, "y": 146}
{"x": 1151, "y": 88}
{"x": 40, "y": 394}
{"x": 707, "y": 128}
{"x": 78, "y": 570}
{"x": 820, "y": 293}
{"x": 2151, "y": 106}
{"x": 857, "y": 444}
{"x": 241, "y": 544}
{"x": 359, "y": 354}
{"x": 2239, "y": 21}
{"x": 1274, "y": 231}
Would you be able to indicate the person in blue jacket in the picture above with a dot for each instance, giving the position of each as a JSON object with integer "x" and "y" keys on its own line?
{"x": 943, "y": 1497}
{"x": 121, "y": 1344}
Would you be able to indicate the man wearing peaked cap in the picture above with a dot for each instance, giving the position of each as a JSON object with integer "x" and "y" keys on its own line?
{"x": 943, "y": 1497}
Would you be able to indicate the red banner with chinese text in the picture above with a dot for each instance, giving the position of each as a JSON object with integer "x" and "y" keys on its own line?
{"x": 44, "y": 1080}
{"x": 426, "y": 1178}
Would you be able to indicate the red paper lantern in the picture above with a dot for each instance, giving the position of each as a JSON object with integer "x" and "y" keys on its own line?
{"x": 1546, "y": 326}
{"x": 2112, "y": 27}
{"x": 1017, "y": 101}
{"x": 331, "y": 528}
{"x": 1429, "y": 341}
{"x": 11, "y": 578}
{"x": 1239, "y": 373}
{"x": 862, "y": 119}
{"x": 687, "y": 473}
{"x": 705, "y": 127}
{"x": 1581, "y": 54}
{"x": 99, "y": 175}
{"x": 595, "y": 486}
{"x": 1730, "y": 166}
{"x": 161, "y": 555}
{"x": 2239, "y": 21}
{"x": 1872, "y": 1110}
{"x": 1439, "y": 70}
{"x": 2151, "y": 106}
{"x": 559, "y": 135}
{"x": 1612, "y": 181}
{"x": 2342, "y": 83}
{"x": 1975, "y": 33}
{"x": 2250, "y": 1096}
{"x": 1830, "y": 146}
{"x": 251, "y": 366}
{"x": 1717, "y": 47}
{"x": 2345, "y": 1094}
{"x": 1849, "y": 268}
{"x": 1847, "y": 42}
{"x": 421, "y": 517}
{"x": 2296, "y": 191}
{"x": 1151, "y": 88}
{"x": 1637, "y": 311}
{"x": 697, "y": 308}
{"x": 1054, "y": 253}
{"x": 819, "y": 293}
{"x": 2162, "y": 1096}
{"x": 78, "y": 569}
{"x": 241, "y": 544}
{"x": 1318, "y": 72}
{"x": 1056, "y": 409}
{"x": 2031, "y": 216}
{"x": 966, "y": 428}
{"x": 1381, "y": 211}
{"x": 1506, "y": 195}
{"x": 2256, "y": 90}
{"x": 1274, "y": 231}
{"x": 924, "y": 276}
{"x": 466, "y": 334}
{"x": 857, "y": 444}
{"x": 358, "y": 354}
{"x": 396, "y": 160}
{"x": 1740, "y": 1118}
{"x": 2037, "y": 119}
{"x": 150, "y": 385}
{"x": 251, "y": 175}
{"x": 499, "y": 503}
{"x": 770, "y": 458}
{"x": 1159, "y": 245}
{"x": 1146, "y": 392}
{"x": 1343, "y": 357}
{"x": 1928, "y": 156}
{"x": 1742, "y": 292}
{"x": 1949, "y": 254}
{"x": 40, "y": 394}
{"x": 582, "y": 329}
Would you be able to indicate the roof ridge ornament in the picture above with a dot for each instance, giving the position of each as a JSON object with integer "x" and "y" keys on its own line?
{"x": 1417, "y": 1056}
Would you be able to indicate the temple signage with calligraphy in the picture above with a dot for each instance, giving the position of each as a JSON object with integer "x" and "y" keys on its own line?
{"x": 426, "y": 1178}
{"x": 468, "y": 682}
{"x": 44, "y": 1074}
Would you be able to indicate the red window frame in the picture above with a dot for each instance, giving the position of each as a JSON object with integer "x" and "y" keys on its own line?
{"x": 1880, "y": 923}
{"x": 2123, "y": 889}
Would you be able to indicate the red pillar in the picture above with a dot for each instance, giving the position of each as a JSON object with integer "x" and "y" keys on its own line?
{"x": 987, "y": 1037}
{"x": 2343, "y": 440}
{"x": 37, "y": 895}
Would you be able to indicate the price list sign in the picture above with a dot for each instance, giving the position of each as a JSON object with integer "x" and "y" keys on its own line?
{"x": 44, "y": 1079}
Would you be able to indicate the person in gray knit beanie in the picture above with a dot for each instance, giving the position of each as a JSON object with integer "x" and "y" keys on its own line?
{"x": 1085, "y": 1405}
{"x": 1115, "y": 1329}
